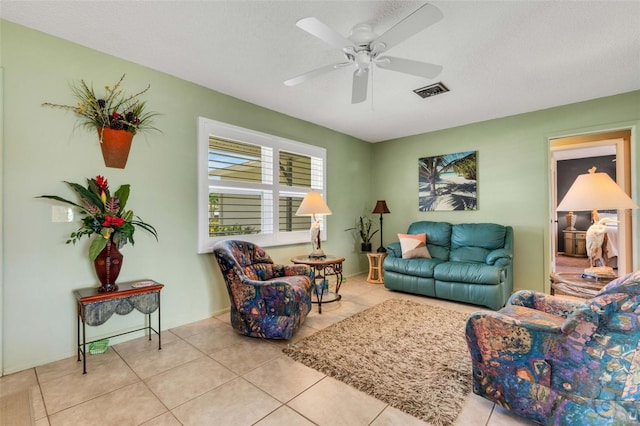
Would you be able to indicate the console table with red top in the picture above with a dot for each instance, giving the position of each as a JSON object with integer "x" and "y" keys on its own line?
{"x": 96, "y": 308}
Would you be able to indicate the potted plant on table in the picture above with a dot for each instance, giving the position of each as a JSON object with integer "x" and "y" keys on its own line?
{"x": 113, "y": 226}
{"x": 115, "y": 115}
{"x": 363, "y": 228}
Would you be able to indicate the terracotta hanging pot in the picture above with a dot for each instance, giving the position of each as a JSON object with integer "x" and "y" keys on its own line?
{"x": 107, "y": 265}
{"x": 115, "y": 146}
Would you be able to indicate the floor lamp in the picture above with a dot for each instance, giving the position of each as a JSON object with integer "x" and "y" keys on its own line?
{"x": 592, "y": 192}
{"x": 381, "y": 208}
{"x": 313, "y": 205}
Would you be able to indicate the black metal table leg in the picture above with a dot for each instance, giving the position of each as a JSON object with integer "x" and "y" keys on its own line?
{"x": 319, "y": 293}
{"x": 84, "y": 348}
{"x": 149, "y": 326}
{"x": 159, "y": 329}
{"x": 78, "y": 333}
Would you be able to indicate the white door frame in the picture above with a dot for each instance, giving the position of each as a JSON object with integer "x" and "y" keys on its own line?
{"x": 1, "y": 219}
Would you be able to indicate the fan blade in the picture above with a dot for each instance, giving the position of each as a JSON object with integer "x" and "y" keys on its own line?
{"x": 359, "y": 91}
{"x": 311, "y": 74}
{"x": 411, "y": 25}
{"x": 325, "y": 33}
{"x": 407, "y": 66}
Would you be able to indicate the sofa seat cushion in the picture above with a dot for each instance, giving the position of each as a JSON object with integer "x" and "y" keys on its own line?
{"x": 469, "y": 272}
{"x": 469, "y": 254}
{"x": 419, "y": 267}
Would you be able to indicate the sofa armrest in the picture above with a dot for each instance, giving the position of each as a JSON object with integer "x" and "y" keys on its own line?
{"x": 483, "y": 323}
{"x": 394, "y": 250}
{"x": 524, "y": 298}
{"x": 274, "y": 282}
{"x": 290, "y": 270}
{"x": 499, "y": 257}
{"x": 554, "y": 305}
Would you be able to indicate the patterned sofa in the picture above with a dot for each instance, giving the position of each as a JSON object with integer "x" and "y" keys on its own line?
{"x": 561, "y": 362}
{"x": 267, "y": 300}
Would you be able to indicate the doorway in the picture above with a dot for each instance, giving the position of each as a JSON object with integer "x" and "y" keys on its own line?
{"x": 610, "y": 153}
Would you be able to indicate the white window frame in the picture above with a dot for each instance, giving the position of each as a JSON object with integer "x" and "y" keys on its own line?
{"x": 208, "y": 128}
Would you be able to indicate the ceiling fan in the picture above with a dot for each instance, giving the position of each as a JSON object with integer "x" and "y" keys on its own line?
{"x": 364, "y": 48}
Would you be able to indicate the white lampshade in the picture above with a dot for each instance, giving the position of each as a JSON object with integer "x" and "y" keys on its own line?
{"x": 595, "y": 191}
{"x": 313, "y": 204}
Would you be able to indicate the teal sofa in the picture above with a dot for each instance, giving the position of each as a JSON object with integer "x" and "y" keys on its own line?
{"x": 470, "y": 262}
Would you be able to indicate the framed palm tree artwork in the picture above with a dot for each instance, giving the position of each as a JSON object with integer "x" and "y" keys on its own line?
{"x": 448, "y": 182}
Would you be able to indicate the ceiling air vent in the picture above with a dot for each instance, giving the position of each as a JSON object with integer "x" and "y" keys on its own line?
{"x": 434, "y": 89}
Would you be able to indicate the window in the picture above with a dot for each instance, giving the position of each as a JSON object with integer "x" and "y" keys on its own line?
{"x": 250, "y": 185}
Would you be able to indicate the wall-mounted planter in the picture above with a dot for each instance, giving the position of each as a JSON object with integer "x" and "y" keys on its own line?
{"x": 115, "y": 146}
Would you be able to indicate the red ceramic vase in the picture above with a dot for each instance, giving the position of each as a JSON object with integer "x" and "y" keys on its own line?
{"x": 108, "y": 264}
{"x": 115, "y": 146}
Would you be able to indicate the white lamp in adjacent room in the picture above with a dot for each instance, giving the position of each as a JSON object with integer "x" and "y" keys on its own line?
{"x": 592, "y": 192}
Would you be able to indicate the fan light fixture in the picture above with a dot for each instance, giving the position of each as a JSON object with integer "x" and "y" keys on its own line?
{"x": 313, "y": 205}
{"x": 364, "y": 49}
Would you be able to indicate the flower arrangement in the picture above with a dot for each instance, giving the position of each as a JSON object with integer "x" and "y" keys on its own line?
{"x": 105, "y": 215}
{"x": 113, "y": 110}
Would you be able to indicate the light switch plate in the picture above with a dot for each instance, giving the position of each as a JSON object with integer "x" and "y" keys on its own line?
{"x": 61, "y": 214}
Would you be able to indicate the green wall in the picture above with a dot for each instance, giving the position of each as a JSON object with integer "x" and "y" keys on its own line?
{"x": 42, "y": 149}
{"x": 513, "y": 174}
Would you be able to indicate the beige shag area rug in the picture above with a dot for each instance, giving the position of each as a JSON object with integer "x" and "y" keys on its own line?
{"x": 412, "y": 356}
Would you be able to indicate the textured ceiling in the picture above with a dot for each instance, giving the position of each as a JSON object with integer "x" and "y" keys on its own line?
{"x": 500, "y": 58}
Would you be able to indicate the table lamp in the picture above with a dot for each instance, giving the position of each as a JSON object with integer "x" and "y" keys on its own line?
{"x": 381, "y": 208}
{"x": 592, "y": 192}
{"x": 313, "y": 205}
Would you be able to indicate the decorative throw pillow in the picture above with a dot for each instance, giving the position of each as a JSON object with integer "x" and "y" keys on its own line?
{"x": 414, "y": 245}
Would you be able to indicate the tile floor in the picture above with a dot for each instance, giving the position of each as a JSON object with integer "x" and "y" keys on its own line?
{"x": 206, "y": 374}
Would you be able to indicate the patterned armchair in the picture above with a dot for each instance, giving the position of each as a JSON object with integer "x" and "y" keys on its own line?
{"x": 267, "y": 300}
{"x": 561, "y": 362}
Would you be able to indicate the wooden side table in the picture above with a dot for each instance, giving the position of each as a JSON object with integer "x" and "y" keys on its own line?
{"x": 96, "y": 308}
{"x": 375, "y": 268}
{"x": 324, "y": 267}
{"x": 575, "y": 243}
{"x": 576, "y": 285}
